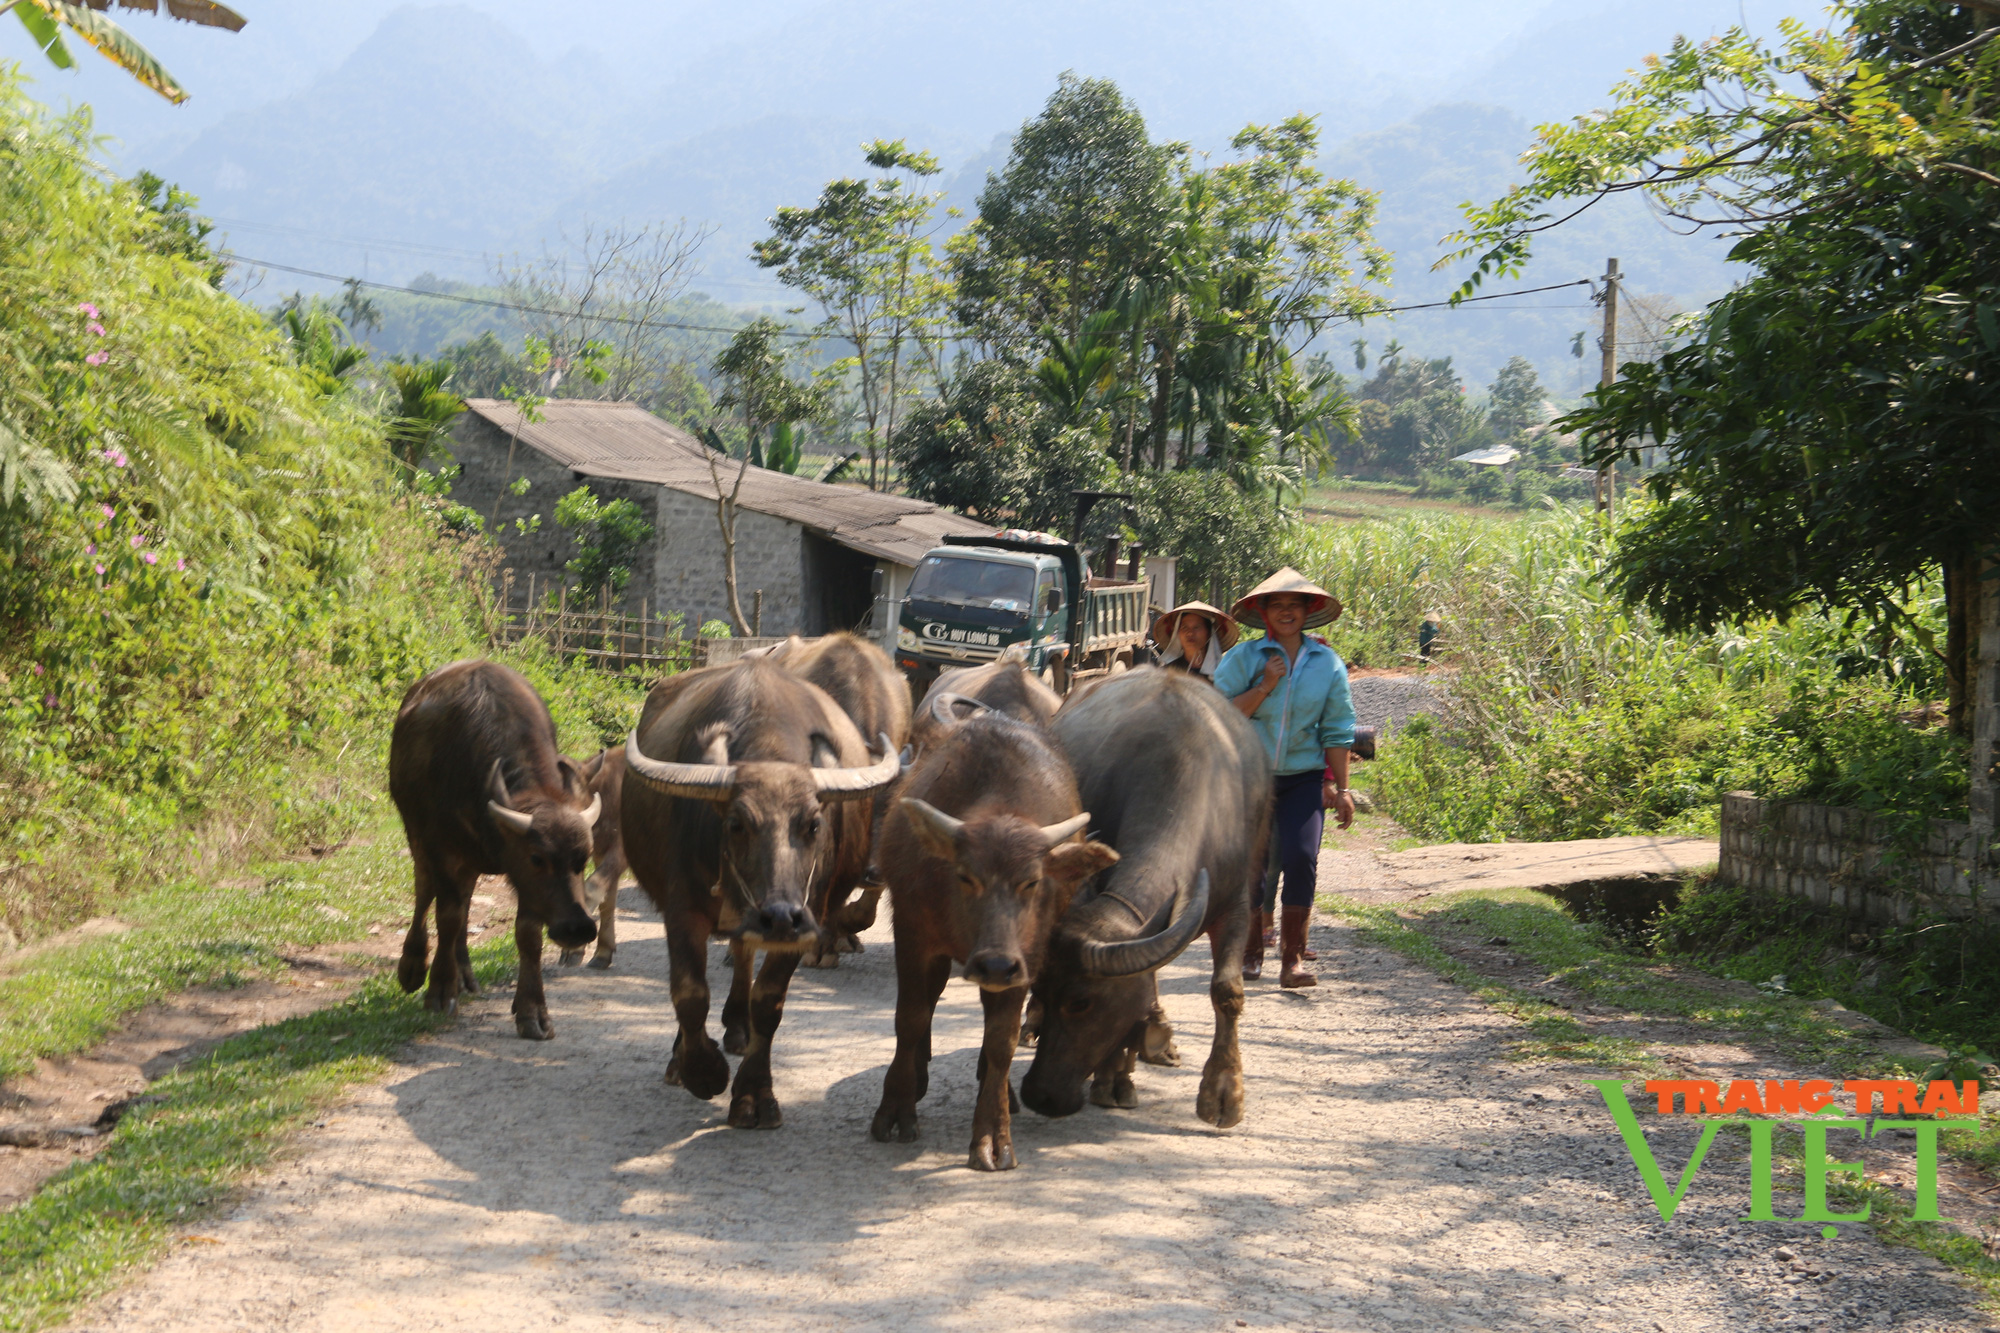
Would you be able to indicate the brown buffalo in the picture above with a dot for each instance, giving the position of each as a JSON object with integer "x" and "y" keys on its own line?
{"x": 474, "y": 771}
{"x": 981, "y": 860}
{"x": 747, "y": 789}
{"x": 1177, "y": 780}
{"x": 607, "y": 855}
{"x": 866, "y": 684}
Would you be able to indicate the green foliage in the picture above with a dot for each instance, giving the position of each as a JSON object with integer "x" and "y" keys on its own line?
{"x": 608, "y": 535}
{"x": 1571, "y": 715}
{"x": 990, "y": 446}
{"x": 1226, "y": 541}
{"x": 45, "y": 20}
{"x": 1828, "y": 426}
{"x": 756, "y": 370}
{"x": 420, "y": 418}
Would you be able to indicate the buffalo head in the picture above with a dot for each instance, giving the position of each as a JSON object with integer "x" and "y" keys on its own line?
{"x": 774, "y": 836}
{"x": 1095, "y": 996}
{"x": 1013, "y": 878}
{"x": 545, "y": 845}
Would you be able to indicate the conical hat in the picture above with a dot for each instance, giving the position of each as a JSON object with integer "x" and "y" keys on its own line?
{"x": 1167, "y": 628}
{"x": 1322, "y": 607}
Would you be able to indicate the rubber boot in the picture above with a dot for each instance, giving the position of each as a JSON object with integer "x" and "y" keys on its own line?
{"x": 1292, "y": 932}
{"x": 1253, "y": 952}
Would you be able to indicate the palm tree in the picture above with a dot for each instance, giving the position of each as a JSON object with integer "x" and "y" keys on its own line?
{"x": 45, "y": 20}
{"x": 423, "y": 412}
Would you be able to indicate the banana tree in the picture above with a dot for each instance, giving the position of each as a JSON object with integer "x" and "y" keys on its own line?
{"x": 45, "y": 20}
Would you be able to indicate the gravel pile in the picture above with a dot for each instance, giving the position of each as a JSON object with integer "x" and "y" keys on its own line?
{"x": 1387, "y": 702}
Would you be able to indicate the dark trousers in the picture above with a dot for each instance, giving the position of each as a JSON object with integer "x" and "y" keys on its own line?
{"x": 1297, "y": 820}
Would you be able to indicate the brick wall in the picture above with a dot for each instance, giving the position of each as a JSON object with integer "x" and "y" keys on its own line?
{"x": 1845, "y": 861}
{"x": 687, "y": 563}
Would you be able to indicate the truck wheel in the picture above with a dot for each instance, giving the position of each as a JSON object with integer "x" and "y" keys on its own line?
{"x": 1121, "y": 664}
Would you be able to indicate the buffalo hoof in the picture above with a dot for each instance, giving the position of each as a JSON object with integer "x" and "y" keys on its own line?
{"x": 440, "y": 1003}
{"x": 822, "y": 959}
{"x": 410, "y": 971}
{"x": 895, "y": 1124}
{"x": 702, "y": 1072}
{"x": 1220, "y": 1102}
{"x": 735, "y": 1037}
{"x": 570, "y": 958}
{"x": 989, "y": 1156}
{"x": 601, "y": 960}
{"x": 1115, "y": 1092}
{"x": 848, "y": 942}
{"x": 535, "y": 1026}
{"x": 755, "y": 1110}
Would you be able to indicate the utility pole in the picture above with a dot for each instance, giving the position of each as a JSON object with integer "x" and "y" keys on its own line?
{"x": 1609, "y": 371}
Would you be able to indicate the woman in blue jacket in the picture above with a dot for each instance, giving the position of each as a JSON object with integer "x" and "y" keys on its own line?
{"x": 1294, "y": 691}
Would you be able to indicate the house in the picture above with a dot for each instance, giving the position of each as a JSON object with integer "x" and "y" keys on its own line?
{"x": 811, "y": 549}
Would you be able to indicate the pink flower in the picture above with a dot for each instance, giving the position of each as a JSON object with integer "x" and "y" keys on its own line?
{"x": 90, "y": 548}
{"x": 87, "y": 309}
{"x": 180, "y": 565}
{"x": 109, "y": 512}
{"x": 96, "y": 358}
{"x": 137, "y": 541}
{"x": 48, "y": 701}
{"x": 151, "y": 557}
{"x": 37, "y": 668}
{"x": 100, "y": 569}
{"x": 113, "y": 455}
{"x": 95, "y": 328}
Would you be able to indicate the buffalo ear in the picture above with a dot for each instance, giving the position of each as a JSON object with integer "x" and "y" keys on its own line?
{"x": 573, "y": 781}
{"x": 1076, "y": 861}
{"x": 935, "y": 830}
{"x": 594, "y": 767}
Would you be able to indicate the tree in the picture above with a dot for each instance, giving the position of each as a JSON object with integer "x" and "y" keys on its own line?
{"x": 421, "y": 416}
{"x": 1829, "y": 427}
{"x": 863, "y": 254}
{"x": 1074, "y": 213}
{"x": 45, "y": 20}
{"x": 613, "y": 288}
{"x": 319, "y": 342}
{"x": 1514, "y": 402}
{"x": 754, "y": 369}
{"x": 609, "y": 533}
{"x": 992, "y": 447}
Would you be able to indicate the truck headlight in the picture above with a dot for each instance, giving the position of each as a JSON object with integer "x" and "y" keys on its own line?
{"x": 906, "y": 639}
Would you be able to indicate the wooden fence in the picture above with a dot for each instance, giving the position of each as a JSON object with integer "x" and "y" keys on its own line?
{"x": 578, "y": 626}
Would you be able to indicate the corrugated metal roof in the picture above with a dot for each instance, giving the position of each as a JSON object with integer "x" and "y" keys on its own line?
{"x": 579, "y": 432}
{"x": 624, "y": 442}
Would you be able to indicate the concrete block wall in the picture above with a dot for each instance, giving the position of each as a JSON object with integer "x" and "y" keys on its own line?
{"x": 687, "y": 571}
{"x": 1847, "y": 861}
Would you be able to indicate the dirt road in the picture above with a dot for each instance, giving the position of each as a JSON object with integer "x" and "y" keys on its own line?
{"x": 1393, "y": 1171}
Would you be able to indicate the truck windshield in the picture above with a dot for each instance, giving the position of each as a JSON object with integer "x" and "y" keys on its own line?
{"x": 983, "y": 583}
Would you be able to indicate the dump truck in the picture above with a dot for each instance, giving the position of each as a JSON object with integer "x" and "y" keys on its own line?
{"x": 982, "y": 599}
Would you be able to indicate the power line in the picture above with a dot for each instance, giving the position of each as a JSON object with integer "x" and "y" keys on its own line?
{"x": 791, "y": 333}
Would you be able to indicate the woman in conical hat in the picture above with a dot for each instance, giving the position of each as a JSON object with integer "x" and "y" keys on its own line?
{"x": 1193, "y": 637}
{"x": 1293, "y": 688}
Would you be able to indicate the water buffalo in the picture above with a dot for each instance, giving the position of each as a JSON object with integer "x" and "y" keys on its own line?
{"x": 1005, "y": 687}
{"x": 746, "y": 789}
{"x": 980, "y": 862}
{"x": 607, "y": 854}
{"x": 1179, "y": 783}
{"x": 866, "y": 684}
{"x": 474, "y": 771}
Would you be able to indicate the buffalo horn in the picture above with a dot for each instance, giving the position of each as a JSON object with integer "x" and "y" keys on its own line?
{"x": 845, "y": 784}
{"x": 1129, "y": 958}
{"x": 948, "y": 709}
{"x": 508, "y": 817}
{"x": 596, "y": 808}
{"x": 1056, "y": 833}
{"x": 699, "y": 782}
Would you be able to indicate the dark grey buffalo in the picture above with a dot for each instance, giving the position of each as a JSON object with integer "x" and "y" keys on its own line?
{"x": 981, "y": 857}
{"x": 748, "y": 797}
{"x": 474, "y": 771}
{"x": 1177, "y": 781}
{"x": 607, "y": 857}
{"x": 1004, "y": 687}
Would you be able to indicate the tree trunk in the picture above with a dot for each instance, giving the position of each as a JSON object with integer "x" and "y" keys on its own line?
{"x": 1984, "y": 625}
{"x": 725, "y": 517}
{"x": 1163, "y": 389}
{"x": 1961, "y": 608}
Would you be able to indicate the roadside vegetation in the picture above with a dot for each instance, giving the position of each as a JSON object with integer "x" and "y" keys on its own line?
{"x": 1569, "y": 714}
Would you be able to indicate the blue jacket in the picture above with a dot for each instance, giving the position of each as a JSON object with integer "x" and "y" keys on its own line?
{"x": 1308, "y": 712}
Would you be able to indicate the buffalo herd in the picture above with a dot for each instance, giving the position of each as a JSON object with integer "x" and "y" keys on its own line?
{"x": 1059, "y": 853}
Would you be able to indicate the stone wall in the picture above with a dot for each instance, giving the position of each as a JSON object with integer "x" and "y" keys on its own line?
{"x": 1847, "y": 861}
{"x": 687, "y": 563}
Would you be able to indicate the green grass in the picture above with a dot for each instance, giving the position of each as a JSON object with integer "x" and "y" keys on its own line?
{"x": 195, "y": 932}
{"x": 176, "y": 1161}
